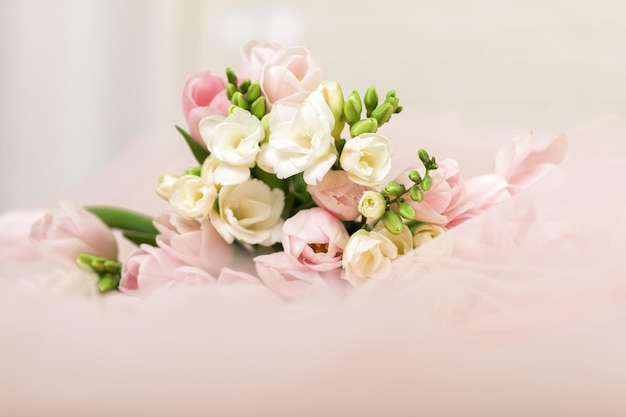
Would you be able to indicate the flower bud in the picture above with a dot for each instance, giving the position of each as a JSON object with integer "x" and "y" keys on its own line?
{"x": 231, "y": 77}
{"x": 193, "y": 171}
{"x": 415, "y": 176}
{"x": 392, "y": 222}
{"x": 424, "y": 157}
{"x": 258, "y": 107}
{"x": 372, "y": 205}
{"x": 406, "y": 210}
{"x": 393, "y": 188}
{"x": 240, "y": 101}
{"x": 265, "y": 122}
{"x": 370, "y": 99}
{"x": 254, "y": 92}
{"x": 416, "y": 194}
{"x": 245, "y": 84}
{"x": 230, "y": 90}
{"x": 165, "y": 185}
{"x": 382, "y": 113}
{"x": 427, "y": 182}
{"x": 333, "y": 95}
{"x": 363, "y": 126}
{"x": 352, "y": 108}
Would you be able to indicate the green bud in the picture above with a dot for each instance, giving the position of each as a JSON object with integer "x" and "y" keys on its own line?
{"x": 352, "y": 108}
{"x": 230, "y": 90}
{"x": 363, "y": 126}
{"x": 406, "y": 210}
{"x": 394, "y": 101}
{"x": 112, "y": 266}
{"x": 398, "y": 109}
{"x": 393, "y": 222}
{"x": 193, "y": 171}
{"x": 370, "y": 99}
{"x": 423, "y": 155}
{"x": 230, "y": 76}
{"x": 240, "y": 101}
{"x": 245, "y": 84}
{"x": 231, "y": 108}
{"x": 382, "y": 113}
{"x": 415, "y": 176}
{"x": 258, "y": 107}
{"x": 107, "y": 283}
{"x": 427, "y": 182}
{"x": 393, "y": 188}
{"x": 254, "y": 92}
{"x": 416, "y": 194}
{"x": 390, "y": 93}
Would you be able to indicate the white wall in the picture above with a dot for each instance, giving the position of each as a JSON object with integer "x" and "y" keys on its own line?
{"x": 79, "y": 79}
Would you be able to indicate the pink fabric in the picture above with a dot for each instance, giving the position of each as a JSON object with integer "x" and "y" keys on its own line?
{"x": 516, "y": 311}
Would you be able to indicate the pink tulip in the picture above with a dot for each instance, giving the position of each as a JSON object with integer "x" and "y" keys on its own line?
{"x": 338, "y": 194}
{"x": 444, "y": 196}
{"x": 291, "y": 75}
{"x": 315, "y": 239}
{"x": 195, "y": 243}
{"x": 254, "y": 55}
{"x": 149, "y": 269}
{"x": 203, "y": 94}
{"x": 291, "y": 280}
{"x": 526, "y": 159}
{"x": 68, "y": 233}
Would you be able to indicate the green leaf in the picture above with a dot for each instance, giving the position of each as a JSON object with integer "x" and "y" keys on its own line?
{"x": 198, "y": 151}
{"x": 126, "y": 220}
{"x": 139, "y": 237}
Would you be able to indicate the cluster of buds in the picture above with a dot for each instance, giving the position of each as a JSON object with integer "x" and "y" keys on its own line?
{"x": 390, "y": 205}
{"x": 246, "y": 95}
{"x": 376, "y": 114}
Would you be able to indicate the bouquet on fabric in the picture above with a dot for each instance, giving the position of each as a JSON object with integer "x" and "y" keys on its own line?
{"x": 294, "y": 175}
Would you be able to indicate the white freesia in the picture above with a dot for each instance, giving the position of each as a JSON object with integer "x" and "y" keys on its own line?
{"x": 366, "y": 254}
{"x": 192, "y": 197}
{"x": 367, "y": 158}
{"x": 300, "y": 140}
{"x": 426, "y": 233}
{"x": 249, "y": 212}
{"x": 372, "y": 205}
{"x": 164, "y": 189}
{"x": 234, "y": 142}
{"x": 403, "y": 240}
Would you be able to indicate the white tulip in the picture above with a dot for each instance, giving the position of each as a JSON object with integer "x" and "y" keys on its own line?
{"x": 367, "y": 158}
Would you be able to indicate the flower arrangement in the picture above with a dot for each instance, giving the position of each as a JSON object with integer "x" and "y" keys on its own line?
{"x": 293, "y": 174}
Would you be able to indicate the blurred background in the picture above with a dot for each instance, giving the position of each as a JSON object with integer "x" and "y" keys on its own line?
{"x": 80, "y": 79}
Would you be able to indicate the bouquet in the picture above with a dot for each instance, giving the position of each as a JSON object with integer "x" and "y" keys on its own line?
{"x": 293, "y": 178}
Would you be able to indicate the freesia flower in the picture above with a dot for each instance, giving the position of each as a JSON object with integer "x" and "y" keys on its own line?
{"x": 203, "y": 94}
{"x": 290, "y": 75}
{"x": 254, "y": 55}
{"x": 234, "y": 142}
{"x": 196, "y": 243}
{"x": 338, "y": 194}
{"x": 164, "y": 188}
{"x": 403, "y": 240}
{"x": 367, "y": 254}
{"x": 300, "y": 140}
{"x": 67, "y": 233}
{"x": 315, "y": 238}
{"x": 249, "y": 212}
{"x": 372, "y": 205}
{"x": 288, "y": 278}
{"x": 192, "y": 197}
{"x": 367, "y": 158}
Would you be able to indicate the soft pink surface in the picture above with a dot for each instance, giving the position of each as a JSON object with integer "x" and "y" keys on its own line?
{"x": 518, "y": 311}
